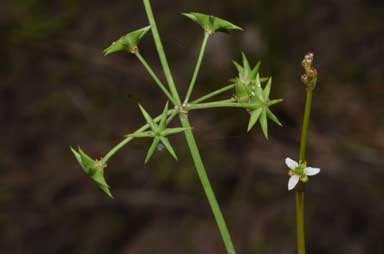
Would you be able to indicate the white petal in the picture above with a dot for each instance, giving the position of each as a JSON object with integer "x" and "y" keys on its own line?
{"x": 291, "y": 163}
{"x": 311, "y": 171}
{"x": 293, "y": 180}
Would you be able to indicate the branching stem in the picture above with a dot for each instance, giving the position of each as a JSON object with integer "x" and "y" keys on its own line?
{"x": 160, "y": 51}
{"x": 213, "y": 94}
{"x": 197, "y": 67}
{"x": 155, "y": 77}
{"x": 230, "y": 103}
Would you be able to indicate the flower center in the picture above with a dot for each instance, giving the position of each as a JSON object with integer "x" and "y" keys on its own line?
{"x": 299, "y": 170}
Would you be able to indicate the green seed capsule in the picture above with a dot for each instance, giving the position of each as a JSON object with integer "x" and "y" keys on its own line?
{"x": 241, "y": 93}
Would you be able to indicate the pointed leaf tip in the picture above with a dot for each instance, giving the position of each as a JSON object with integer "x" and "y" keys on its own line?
{"x": 273, "y": 118}
{"x": 164, "y": 116}
{"x": 151, "y": 149}
{"x": 149, "y": 119}
{"x": 267, "y": 89}
{"x": 253, "y": 118}
{"x": 169, "y": 147}
{"x": 76, "y": 154}
{"x": 264, "y": 123}
{"x": 255, "y": 70}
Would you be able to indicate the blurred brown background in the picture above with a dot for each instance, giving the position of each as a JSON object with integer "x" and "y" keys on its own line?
{"x": 57, "y": 90}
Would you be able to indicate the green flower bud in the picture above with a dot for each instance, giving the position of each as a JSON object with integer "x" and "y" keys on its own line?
{"x": 211, "y": 24}
{"x": 94, "y": 169}
{"x": 128, "y": 42}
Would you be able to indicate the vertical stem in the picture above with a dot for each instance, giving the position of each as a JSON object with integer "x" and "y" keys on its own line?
{"x": 189, "y": 135}
{"x": 300, "y": 188}
{"x": 300, "y": 221}
{"x": 197, "y": 68}
{"x": 160, "y": 51}
{"x": 304, "y": 131}
{"x": 207, "y": 186}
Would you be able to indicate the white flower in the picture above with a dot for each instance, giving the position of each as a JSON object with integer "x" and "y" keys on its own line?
{"x": 299, "y": 172}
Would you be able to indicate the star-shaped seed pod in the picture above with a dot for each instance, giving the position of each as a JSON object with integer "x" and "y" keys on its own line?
{"x": 243, "y": 83}
{"x": 260, "y": 96}
{"x": 159, "y": 133}
{"x": 94, "y": 169}
{"x": 128, "y": 42}
{"x": 299, "y": 172}
{"x": 246, "y": 73}
{"x": 248, "y": 89}
{"x": 212, "y": 24}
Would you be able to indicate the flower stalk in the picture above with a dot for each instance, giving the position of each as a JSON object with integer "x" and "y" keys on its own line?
{"x": 154, "y": 77}
{"x": 230, "y": 103}
{"x": 197, "y": 68}
{"x": 305, "y": 127}
{"x": 213, "y": 94}
{"x": 309, "y": 79}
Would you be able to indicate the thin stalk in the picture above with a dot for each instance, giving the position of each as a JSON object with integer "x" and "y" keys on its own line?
{"x": 120, "y": 145}
{"x": 160, "y": 51}
{"x": 304, "y": 131}
{"x": 300, "y": 220}
{"x": 206, "y": 185}
{"x": 230, "y": 103}
{"x": 155, "y": 77}
{"x": 213, "y": 94}
{"x": 300, "y": 188}
{"x": 197, "y": 67}
{"x": 223, "y": 90}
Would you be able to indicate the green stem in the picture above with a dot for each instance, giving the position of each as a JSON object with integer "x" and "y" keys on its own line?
{"x": 300, "y": 220}
{"x": 154, "y": 76}
{"x": 213, "y": 94}
{"x": 304, "y": 131}
{"x": 197, "y": 68}
{"x": 160, "y": 51}
{"x": 206, "y": 185}
{"x": 120, "y": 145}
{"x": 230, "y": 103}
{"x": 300, "y": 188}
{"x": 189, "y": 135}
